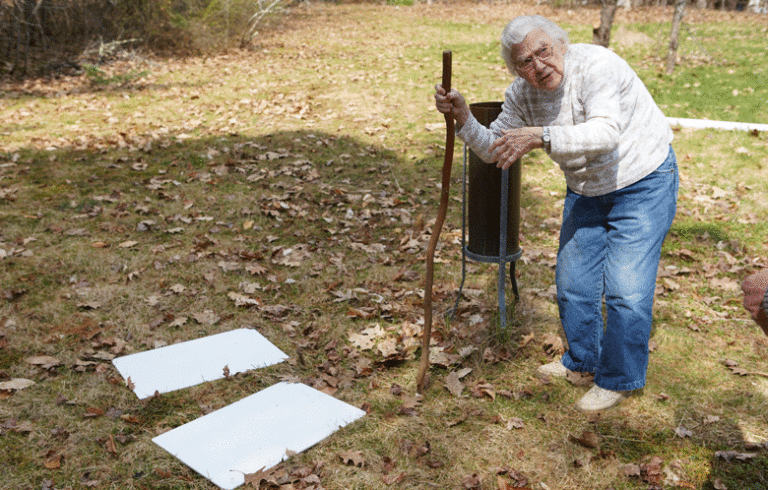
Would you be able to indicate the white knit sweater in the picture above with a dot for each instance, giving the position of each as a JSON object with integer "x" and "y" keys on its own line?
{"x": 606, "y": 130}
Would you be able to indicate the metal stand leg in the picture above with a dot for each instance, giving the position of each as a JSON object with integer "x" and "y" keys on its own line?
{"x": 504, "y": 210}
{"x": 452, "y": 312}
{"x": 514, "y": 280}
{"x": 501, "y": 260}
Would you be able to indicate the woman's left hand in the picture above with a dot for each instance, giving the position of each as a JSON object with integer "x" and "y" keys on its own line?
{"x": 514, "y": 144}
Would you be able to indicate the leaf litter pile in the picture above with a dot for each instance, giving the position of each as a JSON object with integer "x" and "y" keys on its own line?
{"x": 292, "y": 189}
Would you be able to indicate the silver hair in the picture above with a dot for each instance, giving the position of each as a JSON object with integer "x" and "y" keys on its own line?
{"x": 517, "y": 30}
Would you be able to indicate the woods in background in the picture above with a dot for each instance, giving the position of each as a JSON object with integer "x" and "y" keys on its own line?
{"x": 39, "y": 37}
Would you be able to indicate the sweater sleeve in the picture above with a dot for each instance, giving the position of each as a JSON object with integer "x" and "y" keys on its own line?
{"x": 596, "y": 128}
{"x": 480, "y": 138}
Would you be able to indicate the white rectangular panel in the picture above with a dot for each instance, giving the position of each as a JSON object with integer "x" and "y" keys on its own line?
{"x": 255, "y": 432}
{"x": 196, "y": 361}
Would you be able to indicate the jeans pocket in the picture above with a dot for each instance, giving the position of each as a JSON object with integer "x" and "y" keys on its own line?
{"x": 664, "y": 171}
{"x": 668, "y": 166}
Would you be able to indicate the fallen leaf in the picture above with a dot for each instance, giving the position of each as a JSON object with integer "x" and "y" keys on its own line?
{"x": 178, "y": 322}
{"x": 757, "y": 445}
{"x": 54, "y": 462}
{"x": 365, "y": 313}
{"x": 520, "y": 480}
{"x": 131, "y": 419}
{"x": 389, "y": 464}
{"x": 504, "y": 484}
{"x": 553, "y": 345}
{"x": 361, "y": 341}
{"x": 206, "y": 317}
{"x": 725, "y": 283}
{"x": 89, "y": 305}
{"x": 587, "y": 439}
{"x": 352, "y": 458}
{"x": 453, "y": 384}
{"x": 91, "y": 412}
{"x": 631, "y": 470}
{"x": 16, "y": 384}
{"x": 739, "y": 371}
{"x": 580, "y": 379}
{"x": 45, "y": 362}
{"x": 472, "y": 482}
{"x": 527, "y": 338}
{"x": 242, "y": 300}
{"x": 454, "y": 423}
{"x": 682, "y": 432}
{"x": 409, "y": 406}
{"x": 260, "y": 477}
{"x": 731, "y": 455}
{"x": 443, "y": 359}
{"x": 392, "y": 479}
{"x": 651, "y": 471}
{"x": 110, "y": 445}
{"x": 719, "y": 485}
{"x": 363, "y": 367}
{"x": 276, "y": 311}
{"x": 388, "y": 347}
{"x": 255, "y": 270}
{"x": 482, "y": 389}
{"x": 515, "y": 423}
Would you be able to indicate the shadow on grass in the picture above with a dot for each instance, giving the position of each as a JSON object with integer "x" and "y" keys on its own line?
{"x": 737, "y": 461}
{"x": 702, "y": 451}
{"x": 122, "y": 224}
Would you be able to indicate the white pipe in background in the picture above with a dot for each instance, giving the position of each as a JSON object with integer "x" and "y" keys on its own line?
{"x": 704, "y": 124}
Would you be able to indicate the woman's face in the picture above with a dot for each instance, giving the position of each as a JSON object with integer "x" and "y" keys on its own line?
{"x": 540, "y": 60}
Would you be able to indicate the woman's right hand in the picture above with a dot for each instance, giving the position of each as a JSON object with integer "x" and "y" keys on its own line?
{"x": 452, "y": 103}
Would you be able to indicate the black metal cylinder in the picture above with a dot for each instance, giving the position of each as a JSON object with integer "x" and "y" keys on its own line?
{"x": 484, "y": 197}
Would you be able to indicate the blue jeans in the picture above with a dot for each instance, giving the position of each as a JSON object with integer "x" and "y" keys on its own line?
{"x": 610, "y": 247}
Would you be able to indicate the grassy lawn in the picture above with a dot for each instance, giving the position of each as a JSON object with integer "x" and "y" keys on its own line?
{"x": 304, "y": 174}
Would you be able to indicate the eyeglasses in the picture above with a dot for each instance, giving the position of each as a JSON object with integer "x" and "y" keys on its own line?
{"x": 543, "y": 54}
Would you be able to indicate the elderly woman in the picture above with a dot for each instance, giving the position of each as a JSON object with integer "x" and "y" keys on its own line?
{"x": 592, "y": 115}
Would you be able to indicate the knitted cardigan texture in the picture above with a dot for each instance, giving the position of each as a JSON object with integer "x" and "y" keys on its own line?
{"x": 606, "y": 130}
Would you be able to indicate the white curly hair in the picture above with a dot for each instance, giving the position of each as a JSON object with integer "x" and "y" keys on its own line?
{"x": 517, "y": 30}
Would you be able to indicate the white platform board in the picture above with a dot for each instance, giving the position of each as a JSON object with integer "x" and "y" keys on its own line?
{"x": 190, "y": 363}
{"x": 255, "y": 432}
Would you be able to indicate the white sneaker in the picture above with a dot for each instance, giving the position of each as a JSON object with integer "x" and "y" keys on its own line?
{"x": 597, "y": 399}
{"x": 554, "y": 369}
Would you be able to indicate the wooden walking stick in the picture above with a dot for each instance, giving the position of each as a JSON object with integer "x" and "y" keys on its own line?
{"x": 449, "y": 140}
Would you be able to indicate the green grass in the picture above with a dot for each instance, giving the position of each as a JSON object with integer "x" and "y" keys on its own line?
{"x": 720, "y": 76}
{"x": 318, "y": 138}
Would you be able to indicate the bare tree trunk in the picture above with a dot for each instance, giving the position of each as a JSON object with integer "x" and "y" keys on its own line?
{"x": 673, "y": 36}
{"x": 264, "y": 7}
{"x": 602, "y": 34}
{"x": 701, "y": 4}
